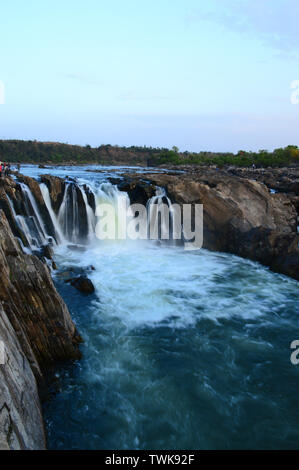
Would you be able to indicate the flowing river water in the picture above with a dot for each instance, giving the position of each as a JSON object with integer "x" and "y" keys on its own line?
{"x": 182, "y": 349}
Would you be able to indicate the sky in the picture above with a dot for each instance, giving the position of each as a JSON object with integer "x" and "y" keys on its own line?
{"x": 202, "y": 75}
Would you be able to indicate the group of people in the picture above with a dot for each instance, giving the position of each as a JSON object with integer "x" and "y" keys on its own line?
{"x": 4, "y": 169}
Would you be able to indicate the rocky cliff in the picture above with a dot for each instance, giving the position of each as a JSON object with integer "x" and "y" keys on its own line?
{"x": 240, "y": 215}
{"x": 37, "y": 332}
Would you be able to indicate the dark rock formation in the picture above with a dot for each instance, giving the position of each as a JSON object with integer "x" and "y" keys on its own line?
{"x": 60, "y": 189}
{"x": 21, "y": 423}
{"x": 9, "y": 189}
{"x": 241, "y": 216}
{"x": 36, "y": 192}
{"x": 56, "y": 187}
{"x": 90, "y": 197}
{"x": 37, "y": 330}
{"x": 285, "y": 180}
{"x": 139, "y": 192}
{"x": 83, "y": 284}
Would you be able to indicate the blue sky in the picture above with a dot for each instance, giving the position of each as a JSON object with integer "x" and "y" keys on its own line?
{"x": 202, "y": 75}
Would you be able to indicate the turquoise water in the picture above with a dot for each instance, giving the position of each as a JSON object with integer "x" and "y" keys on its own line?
{"x": 182, "y": 350}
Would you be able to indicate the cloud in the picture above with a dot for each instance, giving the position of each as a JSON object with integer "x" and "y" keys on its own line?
{"x": 274, "y": 22}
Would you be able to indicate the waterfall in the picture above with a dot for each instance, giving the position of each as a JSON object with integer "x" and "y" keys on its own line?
{"x": 119, "y": 201}
{"x": 160, "y": 216}
{"x": 91, "y": 221}
{"x": 68, "y": 216}
{"x": 46, "y": 195}
{"x": 34, "y": 215}
{"x": 78, "y": 218}
{"x": 23, "y": 226}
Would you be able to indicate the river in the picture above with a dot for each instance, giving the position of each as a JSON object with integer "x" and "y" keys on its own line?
{"x": 182, "y": 349}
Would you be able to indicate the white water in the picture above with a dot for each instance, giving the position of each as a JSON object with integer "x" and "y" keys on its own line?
{"x": 23, "y": 226}
{"x": 43, "y": 237}
{"x": 46, "y": 196}
{"x": 181, "y": 349}
{"x": 91, "y": 219}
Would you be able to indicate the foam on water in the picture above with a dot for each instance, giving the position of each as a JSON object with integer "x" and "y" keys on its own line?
{"x": 182, "y": 349}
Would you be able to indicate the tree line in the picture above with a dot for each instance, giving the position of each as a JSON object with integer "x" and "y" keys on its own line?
{"x": 19, "y": 151}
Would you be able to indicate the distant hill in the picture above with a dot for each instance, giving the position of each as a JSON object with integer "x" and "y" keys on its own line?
{"x": 57, "y": 153}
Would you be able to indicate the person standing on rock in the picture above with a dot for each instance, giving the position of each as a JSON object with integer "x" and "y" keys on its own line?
{"x": 1, "y": 169}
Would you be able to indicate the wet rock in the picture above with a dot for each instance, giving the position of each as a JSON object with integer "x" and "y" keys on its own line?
{"x": 9, "y": 189}
{"x": 90, "y": 197}
{"x": 38, "y": 332}
{"x": 75, "y": 214}
{"x": 54, "y": 266}
{"x": 139, "y": 192}
{"x": 287, "y": 264}
{"x": 43, "y": 210}
{"x": 48, "y": 252}
{"x": 73, "y": 272}
{"x": 240, "y": 215}
{"x": 83, "y": 284}
{"x": 34, "y": 306}
{"x": 56, "y": 187}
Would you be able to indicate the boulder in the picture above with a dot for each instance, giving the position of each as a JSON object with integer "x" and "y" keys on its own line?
{"x": 83, "y": 284}
{"x": 47, "y": 251}
{"x": 138, "y": 191}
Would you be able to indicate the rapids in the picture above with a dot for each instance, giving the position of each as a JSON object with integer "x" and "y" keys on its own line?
{"x": 182, "y": 349}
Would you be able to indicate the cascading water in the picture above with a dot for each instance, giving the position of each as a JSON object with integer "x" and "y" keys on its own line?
{"x": 183, "y": 349}
{"x": 119, "y": 201}
{"x": 21, "y": 222}
{"x": 30, "y": 223}
{"x": 35, "y": 220}
{"x": 68, "y": 216}
{"x": 46, "y": 195}
{"x": 161, "y": 217}
{"x": 77, "y": 216}
{"x": 91, "y": 220}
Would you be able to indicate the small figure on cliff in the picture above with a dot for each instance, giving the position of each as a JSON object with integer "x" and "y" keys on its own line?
{"x": 6, "y": 169}
{"x": 1, "y": 169}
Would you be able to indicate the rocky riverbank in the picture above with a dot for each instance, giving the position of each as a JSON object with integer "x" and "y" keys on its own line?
{"x": 242, "y": 216}
{"x": 36, "y": 330}
{"x": 252, "y": 214}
